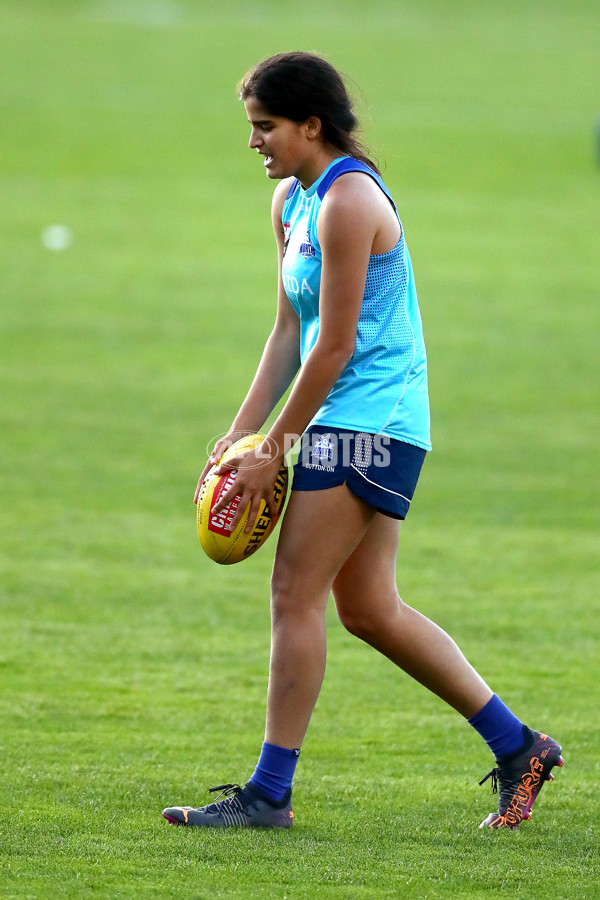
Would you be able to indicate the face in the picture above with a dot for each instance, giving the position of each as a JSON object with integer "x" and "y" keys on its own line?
{"x": 288, "y": 147}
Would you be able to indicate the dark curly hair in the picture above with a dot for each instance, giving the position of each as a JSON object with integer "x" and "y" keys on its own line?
{"x": 298, "y": 85}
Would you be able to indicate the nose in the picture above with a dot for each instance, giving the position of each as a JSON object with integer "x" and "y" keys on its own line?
{"x": 255, "y": 140}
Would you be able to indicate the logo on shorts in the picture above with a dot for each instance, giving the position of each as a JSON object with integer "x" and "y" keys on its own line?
{"x": 350, "y": 449}
{"x": 322, "y": 449}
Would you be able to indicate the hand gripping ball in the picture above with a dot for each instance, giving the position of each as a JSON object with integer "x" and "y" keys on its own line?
{"x": 219, "y": 543}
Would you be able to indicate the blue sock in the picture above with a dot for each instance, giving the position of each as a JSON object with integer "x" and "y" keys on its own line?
{"x": 275, "y": 769}
{"x": 500, "y": 729}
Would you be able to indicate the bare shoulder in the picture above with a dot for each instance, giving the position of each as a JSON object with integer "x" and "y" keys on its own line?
{"x": 353, "y": 200}
{"x": 355, "y": 208}
{"x": 354, "y": 189}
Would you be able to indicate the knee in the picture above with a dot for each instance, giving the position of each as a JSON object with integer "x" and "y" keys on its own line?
{"x": 290, "y": 595}
{"x": 359, "y": 624}
{"x": 296, "y": 594}
{"x": 368, "y": 621}
{"x": 282, "y": 590}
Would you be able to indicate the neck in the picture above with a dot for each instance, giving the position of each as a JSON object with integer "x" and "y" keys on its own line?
{"x": 314, "y": 168}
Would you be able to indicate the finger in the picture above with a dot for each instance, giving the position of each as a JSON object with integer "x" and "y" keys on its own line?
{"x": 272, "y": 504}
{"x": 226, "y": 499}
{"x": 205, "y": 472}
{"x": 241, "y": 502}
{"x": 219, "y": 450}
{"x": 253, "y": 514}
{"x": 228, "y": 465}
{"x": 209, "y": 465}
{"x": 216, "y": 453}
{"x": 241, "y": 509}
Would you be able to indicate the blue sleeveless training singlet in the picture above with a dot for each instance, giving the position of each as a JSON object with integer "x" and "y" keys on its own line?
{"x": 383, "y": 388}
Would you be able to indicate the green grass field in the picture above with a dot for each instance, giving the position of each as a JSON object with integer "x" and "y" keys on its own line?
{"x": 132, "y": 669}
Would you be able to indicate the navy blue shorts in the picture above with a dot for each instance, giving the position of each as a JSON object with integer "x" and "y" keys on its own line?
{"x": 380, "y": 470}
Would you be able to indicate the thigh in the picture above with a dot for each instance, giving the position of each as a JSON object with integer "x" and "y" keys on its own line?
{"x": 319, "y": 532}
{"x": 367, "y": 580}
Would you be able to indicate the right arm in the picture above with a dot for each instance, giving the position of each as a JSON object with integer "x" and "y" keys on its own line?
{"x": 280, "y": 359}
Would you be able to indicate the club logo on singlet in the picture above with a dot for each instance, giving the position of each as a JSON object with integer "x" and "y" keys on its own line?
{"x": 307, "y": 248}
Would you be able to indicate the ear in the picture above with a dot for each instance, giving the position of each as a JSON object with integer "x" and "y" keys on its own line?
{"x": 313, "y": 128}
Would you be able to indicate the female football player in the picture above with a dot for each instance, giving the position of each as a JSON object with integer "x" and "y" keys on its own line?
{"x": 348, "y": 325}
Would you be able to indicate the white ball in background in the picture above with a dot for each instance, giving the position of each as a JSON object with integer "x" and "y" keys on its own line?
{"x": 57, "y": 237}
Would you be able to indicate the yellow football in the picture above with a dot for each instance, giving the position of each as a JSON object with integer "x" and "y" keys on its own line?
{"x": 219, "y": 543}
